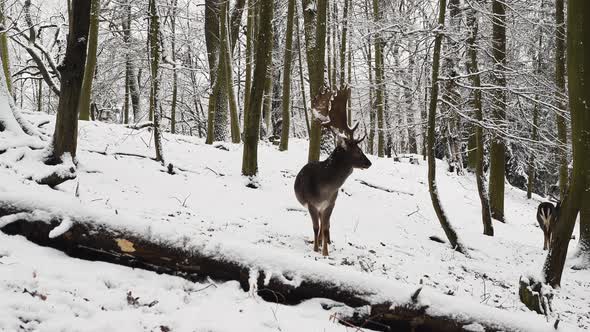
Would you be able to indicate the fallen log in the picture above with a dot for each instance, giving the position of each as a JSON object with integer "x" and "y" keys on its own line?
{"x": 380, "y": 304}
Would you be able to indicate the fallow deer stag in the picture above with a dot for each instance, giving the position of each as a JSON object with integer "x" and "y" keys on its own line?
{"x": 547, "y": 217}
{"x": 318, "y": 183}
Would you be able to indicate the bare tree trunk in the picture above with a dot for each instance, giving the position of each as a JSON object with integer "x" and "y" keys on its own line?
{"x": 4, "y": 50}
{"x": 535, "y": 134}
{"x": 252, "y": 116}
{"x": 249, "y": 50}
{"x": 379, "y": 81}
{"x": 284, "y": 145}
{"x": 65, "y": 137}
{"x": 226, "y": 61}
{"x": 155, "y": 81}
{"x": 343, "y": 48}
{"x": 498, "y": 149}
{"x": 560, "y": 94}
{"x": 473, "y": 69}
{"x": 86, "y": 95}
{"x": 174, "y": 69}
{"x": 315, "y": 38}
{"x": 578, "y": 195}
{"x": 301, "y": 80}
{"x": 133, "y": 82}
{"x": 440, "y": 213}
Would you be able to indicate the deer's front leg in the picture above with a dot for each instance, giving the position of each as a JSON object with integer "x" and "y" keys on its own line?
{"x": 316, "y": 226}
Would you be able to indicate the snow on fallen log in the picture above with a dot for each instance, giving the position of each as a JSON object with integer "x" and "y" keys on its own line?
{"x": 275, "y": 274}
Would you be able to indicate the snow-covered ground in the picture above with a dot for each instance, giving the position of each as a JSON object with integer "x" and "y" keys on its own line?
{"x": 374, "y": 233}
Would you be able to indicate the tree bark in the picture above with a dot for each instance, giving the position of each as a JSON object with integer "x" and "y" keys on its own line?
{"x": 286, "y": 123}
{"x": 560, "y": 94}
{"x": 4, "y": 50}
{"x": 155, "y": 53}
{"x": 578, "y": 196}
{"x": 343, "y": 53}
{"x": 226, "y": 60}
{"x": 379, "y": 81}
{"x": 249, "y": 50}
{"x": 174, "y": 69}
{"x": 252, "y": 116}
{"x": 535, "y": 131}
{"x": 440, "y": 213}
{"x": 498, "y": 149}
{"x": 65, "y": 137}
{"x": 217, "y": 121}
{"x": 473, "y": 69}
{"x": 301, "y": 80}
{"x": 132, "y": 82}
{"x": 86, "y": 95}
{"x": 315, "y": 46}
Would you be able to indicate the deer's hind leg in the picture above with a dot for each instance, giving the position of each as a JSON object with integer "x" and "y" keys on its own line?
{"x": 315, "y": 219}
{"x": 325, "y": 231}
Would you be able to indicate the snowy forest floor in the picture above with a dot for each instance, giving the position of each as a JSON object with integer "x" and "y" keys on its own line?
{"x": 377, "y": 232}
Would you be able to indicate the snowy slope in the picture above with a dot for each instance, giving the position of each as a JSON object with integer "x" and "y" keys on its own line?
{"x": 374, "y": 232}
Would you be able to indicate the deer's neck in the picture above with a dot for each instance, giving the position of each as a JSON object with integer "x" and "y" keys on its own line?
{"x": 338, "y": 169}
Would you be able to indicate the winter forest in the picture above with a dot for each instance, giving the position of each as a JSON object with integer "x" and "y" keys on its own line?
{"x": 295, "y": 165}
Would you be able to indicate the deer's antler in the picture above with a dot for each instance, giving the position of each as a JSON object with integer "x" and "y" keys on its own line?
{"x": 338, "y": 114}
{"x": 330, "y": 107}
{"x": 320, "y": 105}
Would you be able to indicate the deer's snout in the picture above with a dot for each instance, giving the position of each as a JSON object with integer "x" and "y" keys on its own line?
{"x": 366, "y": 163}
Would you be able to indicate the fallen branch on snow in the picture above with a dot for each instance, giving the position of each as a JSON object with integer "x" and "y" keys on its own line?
{"x": 140, "y": 125}
{"x": 374, "y": 186}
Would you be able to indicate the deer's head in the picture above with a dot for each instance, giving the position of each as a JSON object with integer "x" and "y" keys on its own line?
{"x": 348, "y": 151}
{"x": 330, "y": 107}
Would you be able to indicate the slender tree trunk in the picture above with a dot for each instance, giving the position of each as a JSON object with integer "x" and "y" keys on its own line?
{"x": 90, "y": 68}
{"x": 531, "y": 168}
{"x": 65, "y": 137}
{"x": 155, "y": 81}
{"x": 315, "y": 38}
{"x": 226, "y": 61}
{"x": 440, "y": 213}
{"x": 40, "y": 96}
{"x": 252, "y": 116}
{"x": 343, "y": 48}
{"x": 450, "y": 90}
{"x": 217, "y": 121}
{"x": 535, "y": 134}
{"x": 126, "y": 104}
{"x": 560, "y": 94}
{"x": 301, "y": 80}
{"x": 498, "y": 149}
{"x": 174, "y": 69}
{"x": 133, "y": 81}
{"x": 216, "y": 117}
{"x": 380, "y": 88}
{"x": 372, "y": 102}
{"x": 249, "y": 36}
{"x": 4, "y": 50}
{"x": 578, "y": 195}
{"x": 349, "y": 74}
{"x": 267, "y": 100}
{"x": 284, "y": 145}
{"x": 473, "y": 69}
